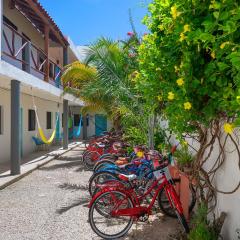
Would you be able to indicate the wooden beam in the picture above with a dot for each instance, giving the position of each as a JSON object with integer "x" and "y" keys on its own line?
{"x": 46, "y": 50}
{"x": 46, "y": 21}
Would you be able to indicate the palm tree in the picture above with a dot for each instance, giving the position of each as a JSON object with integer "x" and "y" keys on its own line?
{"x": 102, "y": 81}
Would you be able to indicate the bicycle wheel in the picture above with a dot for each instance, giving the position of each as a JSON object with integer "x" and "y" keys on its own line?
{"x": 100, "y": 178}
{"x": 90, "y": 158}
{"x": 106, "y": 226}
{"x": 101, "y": 164}
{"x": 165, "y": 205}
{"x": 176, "y": 205}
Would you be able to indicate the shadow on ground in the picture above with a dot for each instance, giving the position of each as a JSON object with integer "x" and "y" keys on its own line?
{"x": 161, "y": 228}
{"x": 69, "y": 165}
{"x": 80, "y": 202}
{"x": 72, "y": 186}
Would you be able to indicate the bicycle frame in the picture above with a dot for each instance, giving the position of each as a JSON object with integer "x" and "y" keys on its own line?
{"x": 164, "y": 180}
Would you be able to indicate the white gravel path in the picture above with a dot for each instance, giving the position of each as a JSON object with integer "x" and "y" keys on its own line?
{"x": 51, "y": 204}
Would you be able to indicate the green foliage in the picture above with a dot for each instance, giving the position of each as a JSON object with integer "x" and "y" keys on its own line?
{"x": 160, "y": 139}
{"x": 105, "y": 83}
{"x": 190, "y": 62}
{"x": 184, "y": 158}
{"x": 202, "y": 230}
{"x": 135, "y": 136}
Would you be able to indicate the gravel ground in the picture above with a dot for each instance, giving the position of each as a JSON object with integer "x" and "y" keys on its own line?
{"x": 51, "y": 203}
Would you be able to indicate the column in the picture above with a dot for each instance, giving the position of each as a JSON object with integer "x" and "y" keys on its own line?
{"x": 84, "y": 127}
{"x": 15, "y": 127}
{"x": 65, "y": 124}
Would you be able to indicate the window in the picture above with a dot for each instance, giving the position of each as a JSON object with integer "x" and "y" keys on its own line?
{"x": 1, "y": 120}
{"x": 31, "y": 120}
{"x": 49, "y": 120}
{"x": 76, "y": 120}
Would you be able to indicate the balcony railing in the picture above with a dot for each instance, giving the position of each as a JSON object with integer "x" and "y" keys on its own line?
{"x": 20, "y": 52}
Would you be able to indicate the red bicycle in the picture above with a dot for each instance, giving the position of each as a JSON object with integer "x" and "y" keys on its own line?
{"x": 114, "y": 209}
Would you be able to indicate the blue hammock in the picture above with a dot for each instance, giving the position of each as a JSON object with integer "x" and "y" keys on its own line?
{"x": 37, "y": 141}
{"x": 76, "y": 132}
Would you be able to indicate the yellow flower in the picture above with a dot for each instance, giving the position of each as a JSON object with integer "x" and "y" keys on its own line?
{"x": 213, "y": 55}
{"x": 170, "y": 96}
{"x": 140, "y": 154}
{"x": 228, "y": 128}
{"x": 222, "y": 46}
{"x": 174, "y": 12}
{"x": 185, "y": 143}
{"x": 159, "y": 98}
{"x": 182, "y": 37}
{"x": 180, "y": 82}
{"x": 186, "y": 28}
{"x": 187, "y": 105}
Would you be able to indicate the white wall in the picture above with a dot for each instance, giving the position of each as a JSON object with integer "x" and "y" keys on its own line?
{"x": 226, "y": 179}
{"x": 91, "y": 127}
{"x": 26, "y": 103}
{"x": 5, "y": 137}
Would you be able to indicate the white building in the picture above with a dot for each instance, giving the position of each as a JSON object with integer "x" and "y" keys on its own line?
{"x": 34, "y": 52}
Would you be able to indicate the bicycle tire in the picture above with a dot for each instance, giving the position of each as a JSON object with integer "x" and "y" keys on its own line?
{"x": 97, "y": 231}
{"x": 97, "y": 166}
{"x": 94, "y": 178}
{"x": 88, "y": 161}
{"x": 169, "y": 211}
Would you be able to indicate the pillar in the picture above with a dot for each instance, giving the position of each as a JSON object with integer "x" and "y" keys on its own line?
{"x": 15, "y": 127}
{"x": 84, "y": 127}
{"x": 65, "y": 124}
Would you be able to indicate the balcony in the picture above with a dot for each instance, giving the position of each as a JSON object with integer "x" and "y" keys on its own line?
{"x": 23, "y": 54}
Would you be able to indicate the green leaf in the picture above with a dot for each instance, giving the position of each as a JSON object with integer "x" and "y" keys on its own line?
{"x": 216, "y": 15}
{"x": 206, "y": 37}
{"x": 222, "y": 66}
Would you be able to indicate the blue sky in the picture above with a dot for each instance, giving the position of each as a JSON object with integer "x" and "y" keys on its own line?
{"x": 85, "y": 20}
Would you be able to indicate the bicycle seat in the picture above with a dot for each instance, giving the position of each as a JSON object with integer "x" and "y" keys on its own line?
{"x": 129, "y": 177}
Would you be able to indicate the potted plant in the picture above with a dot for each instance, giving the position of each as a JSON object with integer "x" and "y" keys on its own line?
{"x": 184, "y": 160}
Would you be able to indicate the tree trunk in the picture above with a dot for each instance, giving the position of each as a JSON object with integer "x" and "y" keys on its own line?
{"x": 151, "y": 127}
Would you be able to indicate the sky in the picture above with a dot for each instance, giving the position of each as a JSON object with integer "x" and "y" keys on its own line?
{"x": 86, "y": 20}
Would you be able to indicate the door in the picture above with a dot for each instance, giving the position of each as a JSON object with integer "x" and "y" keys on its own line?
{"x": 100, "y": 124}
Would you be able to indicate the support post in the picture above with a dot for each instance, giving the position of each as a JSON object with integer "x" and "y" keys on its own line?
{"x": 65, "y": 124}
{"x": 84, "y": 127}
{"x": 15, "y": 128}
{"x": 46, "y": 50}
